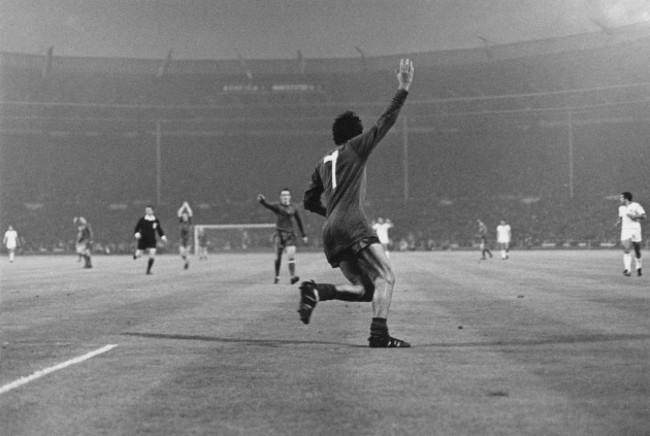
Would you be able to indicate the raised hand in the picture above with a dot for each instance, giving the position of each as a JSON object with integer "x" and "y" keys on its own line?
{"x": 405, "y": 74}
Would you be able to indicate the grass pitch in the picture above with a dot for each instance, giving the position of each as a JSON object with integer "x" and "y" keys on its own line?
{"x": 546, "y": 343}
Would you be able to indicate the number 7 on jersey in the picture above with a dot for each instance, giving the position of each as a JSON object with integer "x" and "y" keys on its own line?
{"x": 332, "y": 158}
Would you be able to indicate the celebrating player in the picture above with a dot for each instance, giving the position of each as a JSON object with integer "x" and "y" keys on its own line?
{"x": 349, "y": 242}
{"x": 11, "y": 242}
{"x": 185, "y": 226}
{"x": 504, "y": 236}
{"x": 285, "y": 237}
{"x": 482, "y": 234}
{"x": 84, "y": 240}
{"x": 630, "y": 215}
{"x": 145, "y": 234}
{"x": 381, "y": 227}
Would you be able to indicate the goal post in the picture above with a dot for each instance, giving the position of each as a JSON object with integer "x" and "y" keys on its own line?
{"x": 234, "y": 235}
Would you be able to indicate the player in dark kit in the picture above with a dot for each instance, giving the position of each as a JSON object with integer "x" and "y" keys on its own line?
{"x": 285, "y": 237}
{"x": 185, "y": 226}
{"x": 145, "y": 234}
{"x": 482, "y": 234}
{"x": 348, "y": 239}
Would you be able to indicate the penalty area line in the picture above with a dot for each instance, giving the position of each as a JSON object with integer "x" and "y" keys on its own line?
{"x": 38, "y": 374}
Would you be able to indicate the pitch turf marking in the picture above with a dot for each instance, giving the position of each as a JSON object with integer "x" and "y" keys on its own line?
{"x": 41, "y": 373}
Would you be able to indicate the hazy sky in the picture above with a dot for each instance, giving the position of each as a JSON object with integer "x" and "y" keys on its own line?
{"x": 219, "y": 29}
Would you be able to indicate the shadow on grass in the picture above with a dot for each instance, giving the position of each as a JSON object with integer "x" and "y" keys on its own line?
{"x": 555, "y": 340}
{"x": 261, "y": 342}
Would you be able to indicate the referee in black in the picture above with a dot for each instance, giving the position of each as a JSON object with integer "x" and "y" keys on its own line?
{"x": 145, "y": 234}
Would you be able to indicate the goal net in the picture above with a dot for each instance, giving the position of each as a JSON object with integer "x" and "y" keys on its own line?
{"x": 233, "y": 237}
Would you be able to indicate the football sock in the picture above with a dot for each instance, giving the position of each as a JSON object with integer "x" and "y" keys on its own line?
{"x": 277, "y": 266}
{"x": 292, "y": 267}
{"x": 379, "y": 327}
{"x": 149, "y": 264}
{"x": 503, "y": 254}
{"x": 637, "y": 250}
{"x": 11, "y": 257}
{"x": 627, "y": 261}
{"x": 326, "y": 291}
{"x": 638, "y": 263}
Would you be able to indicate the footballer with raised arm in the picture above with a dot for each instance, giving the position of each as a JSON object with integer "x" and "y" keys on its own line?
{"x": 185, "y": 227}
{"x": 349, "y": 241}
{"x": 285, "y": 237}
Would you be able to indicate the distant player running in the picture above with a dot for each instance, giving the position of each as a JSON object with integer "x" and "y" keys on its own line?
{"x": 630, "y": 215}
{"x": 145, "y": 234}
{"x": 11, "y": 242}
{"x": 483, "y": 244}
{"x": 285, "y": 237}
{"x": 504, "y": 236}
{"x": 349, "y": 242}
{"x": 84, "y": 240}
{"x": 185, "y": 227}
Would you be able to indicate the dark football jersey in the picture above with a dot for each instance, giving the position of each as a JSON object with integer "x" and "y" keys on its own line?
{"x": 148, "y": 229}
{"x": 285, "y": 214}
{"x": 341, "y": 178}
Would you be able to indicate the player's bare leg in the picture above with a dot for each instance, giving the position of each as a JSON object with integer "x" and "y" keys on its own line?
{"x": 152, "y": 257}
{"x": 637, "y": 258}
{"x": 627, "y": 257}
{"x": 291, "y": 262}
{"x": 277, "y": 264}
{"x": 184, "y": 252}
{"x": 88, "y": 262}
{"x": 137, "y": 254}
{"x": 371, "y": 280}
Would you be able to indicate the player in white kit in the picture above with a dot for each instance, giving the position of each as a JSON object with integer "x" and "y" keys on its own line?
{"x": 630, "y": 215}
{"x": 11, "y": 242}
{"x": 381, "y": 227}
{"x": 504, "y": 236}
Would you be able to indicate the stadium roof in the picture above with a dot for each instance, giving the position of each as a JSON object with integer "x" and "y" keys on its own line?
{"x": 278, "y": 29}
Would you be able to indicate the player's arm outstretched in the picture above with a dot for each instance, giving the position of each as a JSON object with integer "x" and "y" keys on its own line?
{"x": 366, "y": 142}
{"x": 261, "y": 199}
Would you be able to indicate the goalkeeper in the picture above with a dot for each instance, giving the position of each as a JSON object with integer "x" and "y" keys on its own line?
{"x": 285, "y": 237}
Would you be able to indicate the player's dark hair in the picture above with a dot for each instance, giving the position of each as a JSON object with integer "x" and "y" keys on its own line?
{"x": 285, "y": 189}
{"x": 345, "y": 127}
{"x": 627, "y": 195}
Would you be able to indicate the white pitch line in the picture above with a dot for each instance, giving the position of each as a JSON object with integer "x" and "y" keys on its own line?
{"x": 42, "y": 372}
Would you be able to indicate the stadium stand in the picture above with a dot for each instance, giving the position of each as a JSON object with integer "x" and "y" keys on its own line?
{"x": 542, "y": 133}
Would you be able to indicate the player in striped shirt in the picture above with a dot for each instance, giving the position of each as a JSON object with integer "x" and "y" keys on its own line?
{"x": 84, "y": 240}
{"x": 349, "y": 241}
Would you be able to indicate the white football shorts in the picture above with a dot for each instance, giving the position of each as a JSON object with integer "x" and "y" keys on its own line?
{"x": 633, "y": 235}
